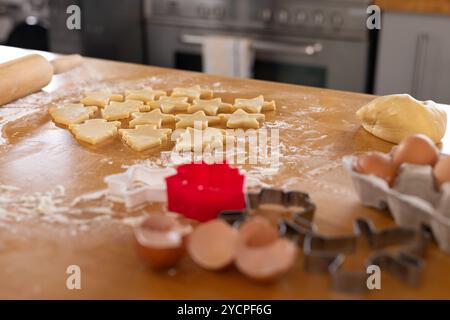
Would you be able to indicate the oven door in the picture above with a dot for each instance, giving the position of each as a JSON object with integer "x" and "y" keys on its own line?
{"x": 332, "y": 64}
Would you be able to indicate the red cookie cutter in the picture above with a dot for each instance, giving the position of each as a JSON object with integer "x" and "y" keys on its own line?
{"x": 201, "y": 191}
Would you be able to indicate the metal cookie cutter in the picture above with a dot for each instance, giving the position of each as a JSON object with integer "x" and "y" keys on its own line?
{"x": 138, "y": 185}
{"x": 298, "y": 203}
{"x": 326, "y": 254}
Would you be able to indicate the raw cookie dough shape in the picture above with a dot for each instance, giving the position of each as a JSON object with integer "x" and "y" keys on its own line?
{"x": 95, "y": 131}
{"x": 255, "y": 105}
{"x": 123, "y": 110}
{"x": 145, "y": 95}
{"x": 395, "y": 117}
{"x": 155, "y": 117}
{"x": 193, "y": 93}
{"x": 210, "y": 107}
{"x": 144, "y": 136}
{"x": 100, "y": 98}
{"x": 170, "y": 104}
{"x": 199, "y": 120}
{"x": 213, "y": 138}
{"x": 72, "y": 113}
{"x": 242, "y": 119}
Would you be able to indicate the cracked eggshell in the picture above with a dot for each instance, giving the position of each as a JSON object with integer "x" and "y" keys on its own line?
{"x": 160, "y": 240}
{"x": 212, "y": 245}
{"x": 261, "y": 255}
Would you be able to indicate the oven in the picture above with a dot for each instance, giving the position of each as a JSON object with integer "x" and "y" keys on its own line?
{"x": 319, "y": 43}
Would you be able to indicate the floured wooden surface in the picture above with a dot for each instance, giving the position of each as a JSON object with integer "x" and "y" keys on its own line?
{"x": 317, "y": 127}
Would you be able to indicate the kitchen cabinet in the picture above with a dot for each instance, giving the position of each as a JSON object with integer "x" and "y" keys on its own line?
{"x": 414, "y": 56}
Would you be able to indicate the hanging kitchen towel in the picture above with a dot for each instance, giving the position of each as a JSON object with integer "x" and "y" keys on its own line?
{"x": 228, "y": 56}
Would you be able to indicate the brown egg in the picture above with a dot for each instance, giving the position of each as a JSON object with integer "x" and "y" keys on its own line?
{"x": 417, "y": 149}
{"x": 441, "y": 171}
{"x": 261, "y": 254}
{"x": 378, "y": 164}
{"x": 212, "y": 245}
{"x": 160, "y": 240}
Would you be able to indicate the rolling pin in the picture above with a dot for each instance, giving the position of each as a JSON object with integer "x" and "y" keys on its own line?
{"x": 26, "y": 75}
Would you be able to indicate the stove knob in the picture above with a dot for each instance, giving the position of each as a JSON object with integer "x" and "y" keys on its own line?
{"x": 203, "y": 12}
{"x": 301, "y": 17}
{"x": 318, "y": 18}
{"x": 219, "y": 13}
{"x": 283, "y": 16}
{"x": 266, "y": 15}
{"x": 337, "y": 20}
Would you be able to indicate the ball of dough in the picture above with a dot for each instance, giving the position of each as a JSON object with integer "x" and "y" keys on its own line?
{"x": 395, "y": 117}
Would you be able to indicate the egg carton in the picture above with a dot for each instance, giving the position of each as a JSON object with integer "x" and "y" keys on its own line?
{"x": 413, "y": 201}
{"x": 138, "y": 185}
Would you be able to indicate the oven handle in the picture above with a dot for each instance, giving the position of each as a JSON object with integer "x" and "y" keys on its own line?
{"x": 266, "y": 46}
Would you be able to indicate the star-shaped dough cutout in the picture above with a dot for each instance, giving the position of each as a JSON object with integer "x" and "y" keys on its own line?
{"x": 95, "y": 131}
{"x": 255, "y": 105}
{"x": 145, "y": 95}
{"x": 210, "y": 107}
{"x": 123, "y": 110}
{"x": 242, "y": 119}
{"x": 199, "y": 140}
{"x": 155, "y": 117}
{"x": 170, "y": 104}
{"x": 100, "y": 98}
{"x": 194, "y": 92}
{"x": 144, "y": 136}
{"x": 198, "y": 120}
{"x": 71, "y": 113}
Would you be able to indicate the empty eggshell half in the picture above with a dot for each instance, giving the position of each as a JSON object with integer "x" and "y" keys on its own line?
{"x": 212, "y": 245}
{"x": 159, "y": 240}
{"x": 261, "y": 254}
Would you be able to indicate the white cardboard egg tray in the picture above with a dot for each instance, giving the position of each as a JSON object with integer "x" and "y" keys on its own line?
{"x": 413, "y": 201}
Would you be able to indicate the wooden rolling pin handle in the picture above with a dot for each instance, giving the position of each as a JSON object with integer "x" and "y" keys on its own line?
{"x": 23, "y": 76}
{"x": 26, "y": 75}
{"x": 66, "y": 63}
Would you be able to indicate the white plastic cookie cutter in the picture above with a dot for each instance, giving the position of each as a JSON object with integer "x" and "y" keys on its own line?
{"x": 138, "y": 185}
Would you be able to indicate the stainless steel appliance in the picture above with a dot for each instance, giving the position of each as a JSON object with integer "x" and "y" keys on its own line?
{"x": 322, "y": 43}
{"x": 109, "y": 29}
{"x": 24, "y": 23}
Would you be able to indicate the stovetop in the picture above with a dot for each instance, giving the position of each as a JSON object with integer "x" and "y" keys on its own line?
{"x": 327, "y": 17}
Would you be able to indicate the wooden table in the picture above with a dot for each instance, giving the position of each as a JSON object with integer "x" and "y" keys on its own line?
{"x": 317, "y": 127}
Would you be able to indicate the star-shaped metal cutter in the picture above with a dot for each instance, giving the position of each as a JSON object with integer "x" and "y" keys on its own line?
{"x": 327, "y": 254}
{"x": 298, "y": 203}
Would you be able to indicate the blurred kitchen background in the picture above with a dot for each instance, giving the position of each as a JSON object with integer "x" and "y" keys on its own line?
{"x": 322, "y": 43}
